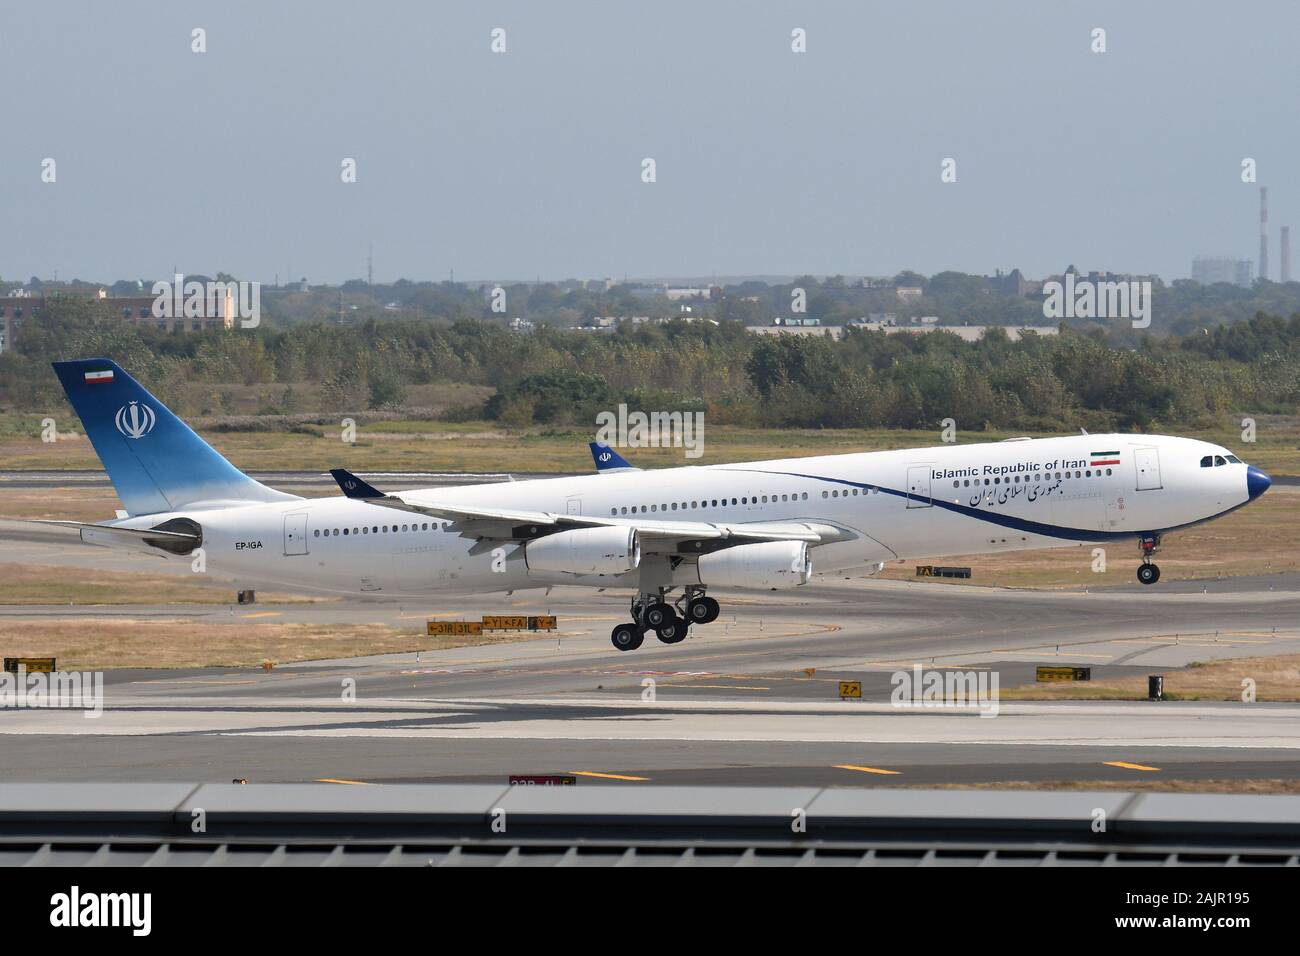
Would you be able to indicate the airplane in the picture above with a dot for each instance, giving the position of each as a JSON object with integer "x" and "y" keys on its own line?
{"x": 669, "y": 535}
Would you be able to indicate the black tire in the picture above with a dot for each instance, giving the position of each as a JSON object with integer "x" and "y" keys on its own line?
{"x": 1148, "y": 573}
{"x": 627, "y": 637}
{"x": 656, "y": 613}
{"x": 704, "y": 610}
{"x": 672, "y": 631}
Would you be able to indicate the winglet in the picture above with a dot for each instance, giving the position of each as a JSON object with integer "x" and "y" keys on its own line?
{"x": 607, "y": 459}
{"x": 354, "y": 487}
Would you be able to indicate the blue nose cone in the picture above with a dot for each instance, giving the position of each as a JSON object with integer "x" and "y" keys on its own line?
{"x": 1256, "y": 482}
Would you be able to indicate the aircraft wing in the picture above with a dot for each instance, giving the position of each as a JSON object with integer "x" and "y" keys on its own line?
{"x": 509, "y": 523}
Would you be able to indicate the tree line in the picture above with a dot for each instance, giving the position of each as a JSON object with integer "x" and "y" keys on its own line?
{"x": 1088, "y": 378}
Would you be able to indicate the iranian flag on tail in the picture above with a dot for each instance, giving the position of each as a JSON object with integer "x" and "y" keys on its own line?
{"x": 99, "y": 375}
{"x": 1104, "y": 458}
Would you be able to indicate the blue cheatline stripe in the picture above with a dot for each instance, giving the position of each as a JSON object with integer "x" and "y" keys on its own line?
{"x": 992, "y": 517}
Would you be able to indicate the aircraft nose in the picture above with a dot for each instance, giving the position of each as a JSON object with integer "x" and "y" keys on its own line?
{"x": 1256, "y": 482}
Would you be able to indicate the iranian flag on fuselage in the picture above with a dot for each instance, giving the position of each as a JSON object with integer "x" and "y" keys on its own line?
{"x": 1104, "y": 458}
{"x": 99, "y": 375}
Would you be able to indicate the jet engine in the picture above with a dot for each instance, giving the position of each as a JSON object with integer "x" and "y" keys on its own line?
{"x": 769, "y": 565}
{"x": 585, "y": 551}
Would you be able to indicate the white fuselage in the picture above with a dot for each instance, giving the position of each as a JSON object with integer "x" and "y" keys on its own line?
{"x": 951, "y": 499}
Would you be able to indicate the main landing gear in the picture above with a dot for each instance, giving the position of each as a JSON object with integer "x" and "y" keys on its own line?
{"x": 651, "y": 612}
{"x": 1148, "y": 570}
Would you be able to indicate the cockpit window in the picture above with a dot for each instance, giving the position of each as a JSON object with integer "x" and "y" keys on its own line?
{"x": 1219, "y": 460}
{"x": 1207, "y": 461}
{"x": 1234, "y": 459}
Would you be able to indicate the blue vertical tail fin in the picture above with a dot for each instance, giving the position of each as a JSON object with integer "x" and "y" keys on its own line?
{"x": 608, "y": 460}
{"x": 155, "y": 461}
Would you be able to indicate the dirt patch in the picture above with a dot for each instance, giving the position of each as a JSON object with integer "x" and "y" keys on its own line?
{"x": 94, "y": 644}
{"x": 1275, "y": 679}
{"x": 43, "y": 584}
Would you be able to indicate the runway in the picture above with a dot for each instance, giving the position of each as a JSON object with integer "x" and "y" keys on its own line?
{"x": 752, "y": 698}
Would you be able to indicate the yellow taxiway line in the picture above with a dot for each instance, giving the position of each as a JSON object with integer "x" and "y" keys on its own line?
{"x": 604, "y": 776}
{"x": 849, "y": 766}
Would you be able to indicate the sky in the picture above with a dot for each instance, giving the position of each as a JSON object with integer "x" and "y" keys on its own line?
{"x": 529, "y": 163}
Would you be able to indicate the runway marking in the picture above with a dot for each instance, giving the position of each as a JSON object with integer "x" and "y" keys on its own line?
{"x": 604, "y": 776}
{"x": 1129, "y": 766}
{"x": 849, "y": 766}
{"x": 355, "y": 783}
{"x": 262, "y": 614}
{"x": 208, "y": 683}
{"x": 936, "y": 665}
{"x": 718, "y": 686}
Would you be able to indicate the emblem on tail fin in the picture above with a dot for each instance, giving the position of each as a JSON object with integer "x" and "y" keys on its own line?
{"x": 607, "y": 460}
{"x": 135, "y": 420}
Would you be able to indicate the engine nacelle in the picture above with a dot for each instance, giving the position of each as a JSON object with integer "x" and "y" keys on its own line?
{"x": 585, "y": 551}
{"x": 772, "y": 564}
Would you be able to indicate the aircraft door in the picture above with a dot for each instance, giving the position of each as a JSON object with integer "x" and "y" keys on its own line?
{"x": 918, "y": 486}
{"x": 573, "y": 506}
{"x": 295, "y": 533}
{"x": 1147, "y": 462}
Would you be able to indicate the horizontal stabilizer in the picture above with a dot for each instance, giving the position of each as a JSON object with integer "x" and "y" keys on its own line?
{"x": 176, "y": 542}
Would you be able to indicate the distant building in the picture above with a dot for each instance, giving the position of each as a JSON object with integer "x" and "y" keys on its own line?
{"x": 14, "y": 311}
{"x": 137, "y": 310}
{"x": 906, "y": 292}
{"x": 1207, "y": 270}
{"x": 1012, "y": 283}
{"x": 969, "y": 333}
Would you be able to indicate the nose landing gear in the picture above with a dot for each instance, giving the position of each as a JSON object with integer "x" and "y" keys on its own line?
{"x": 1148, "y": 571}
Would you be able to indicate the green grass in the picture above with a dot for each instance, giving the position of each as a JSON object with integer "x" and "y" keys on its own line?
{"x": 423, "y": 444}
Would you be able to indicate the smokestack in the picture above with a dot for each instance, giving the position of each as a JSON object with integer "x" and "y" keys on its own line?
{"x": 1263, "y": 232}
{"x": 1286, "y": 254}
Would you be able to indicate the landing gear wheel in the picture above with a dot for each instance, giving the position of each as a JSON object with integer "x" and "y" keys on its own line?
{"x": 656, "y": 614}
{"x": 703, "y": 610}
{"x": 672, "y": 631}
{"x": 627, "y": 637}
{"x": 1148, "y": 573}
